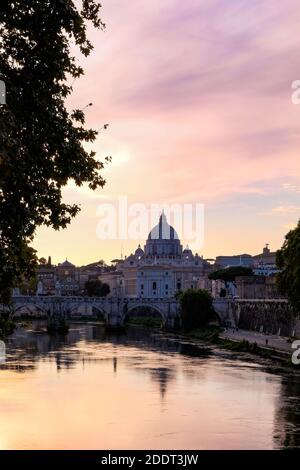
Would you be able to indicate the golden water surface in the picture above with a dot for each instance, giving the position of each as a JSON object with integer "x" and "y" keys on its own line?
{"x": 89, "y": 390}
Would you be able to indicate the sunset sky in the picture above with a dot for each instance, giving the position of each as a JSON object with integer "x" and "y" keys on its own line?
{"x": 197, "y": 94}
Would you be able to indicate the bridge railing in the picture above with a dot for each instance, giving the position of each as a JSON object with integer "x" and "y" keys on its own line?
{"x": 53, "y": 298}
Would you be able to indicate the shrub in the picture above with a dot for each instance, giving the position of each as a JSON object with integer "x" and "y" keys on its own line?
{"x": 196, "y": 308}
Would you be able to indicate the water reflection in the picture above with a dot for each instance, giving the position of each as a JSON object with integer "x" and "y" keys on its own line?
{"x": 287, "y": 422}
{"x": 88, "y": 389}
{"x": 31, "y": 344}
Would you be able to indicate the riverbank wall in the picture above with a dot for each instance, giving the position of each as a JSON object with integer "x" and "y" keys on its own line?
{"x": 267, "y": 316}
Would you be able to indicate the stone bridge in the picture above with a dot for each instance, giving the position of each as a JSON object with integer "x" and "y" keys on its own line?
{"x": 248, "y": 314}
{"x": 113, "y": 309}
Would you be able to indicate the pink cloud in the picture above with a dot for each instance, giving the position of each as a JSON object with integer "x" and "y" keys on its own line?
{"x": 197, "y": 95}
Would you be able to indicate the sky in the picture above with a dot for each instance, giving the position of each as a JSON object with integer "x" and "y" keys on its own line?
{"x": 197, "y": 95}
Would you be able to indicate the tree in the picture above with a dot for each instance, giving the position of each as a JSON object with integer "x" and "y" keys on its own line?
{"x": 96, "y": 288}
{"x": 105, "y": 290}
{"x": 28, "y": 286}
{"x": 288, "y": 260}
{"x": 196, "y": 308}
{"x": 223, "y": 293}
{"x": 7, "y": 324}
{"x": 41, "y": 142}
{"x": 230, "y": 274}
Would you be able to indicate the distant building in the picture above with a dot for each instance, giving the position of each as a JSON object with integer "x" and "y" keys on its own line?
{"x": 244, "y": 260}
{"x": 66, "y": 278}
{"x": 163, "y": 267}
{"x": 155, "y": 281}
{"x": 257, "y": 287}
{"x": 266, "y": 270}
{"x": 68, "y": 286}
{"x": 91, "y": 272}
{"x": 160, "y": 270}
{"x": 266, "y": 257}
{"x": 212, "y": 286}
{"x": 46, "y": 276}
{"x": 265, "y": 263}
{"x": 65, "y": 270}
{"x": 115, "y": 280}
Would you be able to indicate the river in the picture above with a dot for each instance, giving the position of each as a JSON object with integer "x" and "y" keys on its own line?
{"x": 91, "y": 390}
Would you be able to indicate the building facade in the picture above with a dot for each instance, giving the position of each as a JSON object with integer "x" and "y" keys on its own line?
{"x": 244, "y": 260}
{"x": 163, "y": 267}
{"x": 257, "y": 287}
{"x": 65, "y": 278}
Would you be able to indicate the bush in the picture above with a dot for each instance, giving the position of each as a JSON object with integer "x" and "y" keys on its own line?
{"x": 96, "y": 288}
{"x": 7, "y": 324}
{"x": 223, "y": 293}
{"x": 288, "y": 261}
{"x": 196, "y": 308}
{"x": 229, "y": 274}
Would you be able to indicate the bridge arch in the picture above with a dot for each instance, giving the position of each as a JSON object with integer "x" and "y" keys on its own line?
{"x": 151, "y": 310}
{"x": 101, "y": 313}
{"x": 74, "y": 308}
{"x": 30, "y": 308}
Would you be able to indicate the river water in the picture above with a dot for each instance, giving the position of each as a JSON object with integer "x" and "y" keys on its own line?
{"x": 90, "y": 390}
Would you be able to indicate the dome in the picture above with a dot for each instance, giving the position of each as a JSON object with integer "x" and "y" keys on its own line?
{"x": 163, "y": 231}
{"x": 163, "y": 240}
{"x": 187, "y": 253}
{"x": 139, "y": 252}
{"x": 67, "y": 264}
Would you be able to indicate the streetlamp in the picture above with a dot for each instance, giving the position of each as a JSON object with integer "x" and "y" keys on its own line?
{"x": 2, "y": 92}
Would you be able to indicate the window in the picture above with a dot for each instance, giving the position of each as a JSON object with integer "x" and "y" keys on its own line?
{"x": 167, "y": 286}
{"x": 154, "y": 285}
{"x": 142, "y": 286}
{"x": 178, "y": 285}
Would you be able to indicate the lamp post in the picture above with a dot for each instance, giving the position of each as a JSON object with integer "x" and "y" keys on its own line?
{"x": 2, "y": 92}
